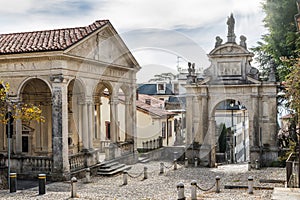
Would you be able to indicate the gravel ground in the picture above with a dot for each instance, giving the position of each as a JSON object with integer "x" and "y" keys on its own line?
{"x": 161, "y": 187}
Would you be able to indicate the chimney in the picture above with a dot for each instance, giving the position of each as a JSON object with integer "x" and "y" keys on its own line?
{"x": 148, "y": 101}
{"x": 137, "y": 94}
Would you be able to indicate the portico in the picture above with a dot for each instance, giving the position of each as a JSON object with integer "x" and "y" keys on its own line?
{"x": 67, "y": 72}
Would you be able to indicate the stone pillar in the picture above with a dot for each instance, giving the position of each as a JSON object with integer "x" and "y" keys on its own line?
{"x": 254, "y": 122}
{"x": 18, "y": 136}
{"x": 128, "y": 119}
{"x": 79, "y": 121}
{"x": 189, "y": 120}
{"x": 114, "y": 119}
{"x": 204, "y": 116}
{"x": 91, "y": 124}
{"x": 98, "y": 120}
{"x": 133, "y": 117}
{"x": 60, "y": 162}
{"x": 85, "y": 139}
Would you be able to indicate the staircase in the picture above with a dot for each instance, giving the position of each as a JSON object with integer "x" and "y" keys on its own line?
{"x": 144, "y": 160}
{"x": 111, "y": 168}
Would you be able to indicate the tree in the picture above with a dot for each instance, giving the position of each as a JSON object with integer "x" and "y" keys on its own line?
{"x": 26, "y": 112}
{"x": 282, "y": 40}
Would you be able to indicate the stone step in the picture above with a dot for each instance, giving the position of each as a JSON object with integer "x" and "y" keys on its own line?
{"x": 113, "y": 171}
{"x": 144, "y": 160}
{"x": 108, "y": 164}
{"x": 111, "y": 168}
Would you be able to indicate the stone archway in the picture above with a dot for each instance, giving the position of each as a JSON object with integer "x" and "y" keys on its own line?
{"x": 232, "y": 131}
{"x": 231, "y": 76}
{"x": 37, "y": 136}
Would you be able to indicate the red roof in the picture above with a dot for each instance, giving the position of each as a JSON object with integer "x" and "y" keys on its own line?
{"x": 48, "y": 40}
{"x": 156, "y": 107}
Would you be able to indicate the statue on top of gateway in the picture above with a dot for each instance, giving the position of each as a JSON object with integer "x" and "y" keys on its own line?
{"x": 231, "y": 34}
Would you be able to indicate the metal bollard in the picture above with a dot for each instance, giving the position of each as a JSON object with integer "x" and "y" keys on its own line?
{"x": 180, "y": 190}
{"x": 196, "y": 162}
{"x": 250, "y": 185}
{"x": 194, "y": 190}
{"x": 161, "y": 171}
{"x": 217, "y": 184}
{"x": 42, "y": 184}
{"x": 13, "y": 182}
{"x": 186, "y": 162}
{"x": 73, "y": 187}
{"x": 175, "y": 164}
{"x": 87, "y": 175}
{"x": 145, "y": 173}
{"x": 256, "y": 164}
{"x": 249, "y": 166}
{"x": 125, "y": 178}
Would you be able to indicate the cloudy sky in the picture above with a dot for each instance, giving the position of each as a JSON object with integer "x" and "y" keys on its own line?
{"x": 156, "y": 31}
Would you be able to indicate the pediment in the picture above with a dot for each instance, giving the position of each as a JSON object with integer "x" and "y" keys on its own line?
{"x": 104, "y": 46}
{"x": 26, "y": 128}
{"x": 229, "y": 49}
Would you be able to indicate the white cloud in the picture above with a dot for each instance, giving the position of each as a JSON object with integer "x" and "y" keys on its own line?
{"x": 183, "y": 28}
{"x": 131, "y": 14}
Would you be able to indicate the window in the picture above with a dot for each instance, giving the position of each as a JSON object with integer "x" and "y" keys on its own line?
{"x": 169, "y": 128}
{"x": 148, "y": 101}
{"x": 25, "y": 144}
{"x": 161, "y": 87}
{"x": 163, "y": 129}
{"x": 107, "y": 126}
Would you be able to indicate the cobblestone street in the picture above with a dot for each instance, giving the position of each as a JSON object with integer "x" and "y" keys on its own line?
{"x": 161, "y": 187}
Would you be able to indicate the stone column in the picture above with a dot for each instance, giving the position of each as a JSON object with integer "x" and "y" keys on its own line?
{"x": 128, "y": 119}
{"x": 91, "y": 124}
{"x": 133, "y": 121}
{"x": 114, "y": 119}
{"x": 254, "y": 122}
{"x": 79, "y": 121}
{"x": 98, "y": 120}
{"x": 18, "y": 136}
{"x": 60, "y": 162}
{"x": 189, "y": 120}
{"x": 85, "y": 139}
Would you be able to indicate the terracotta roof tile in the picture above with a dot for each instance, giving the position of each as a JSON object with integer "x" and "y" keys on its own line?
{"x": 48, "y": 40}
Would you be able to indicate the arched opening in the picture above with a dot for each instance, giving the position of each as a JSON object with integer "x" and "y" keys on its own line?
{"x": 75, "y": 101}
{"x": 231, "y": 132}
{"x": 35, "y": 138}
{"x": 103, "y": 118}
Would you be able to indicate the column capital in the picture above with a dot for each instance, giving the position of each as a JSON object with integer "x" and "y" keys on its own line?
{"x": 58, "y": 78}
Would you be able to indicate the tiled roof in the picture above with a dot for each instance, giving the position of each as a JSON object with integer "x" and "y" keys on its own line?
{"x": 156, "y": 107}
{"x": 48, "y": 40}
{"x": 151, "y": 89}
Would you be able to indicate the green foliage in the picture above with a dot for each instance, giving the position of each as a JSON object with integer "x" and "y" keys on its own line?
{"x": 282, "y": 40}
{"x": 25, "y": 112}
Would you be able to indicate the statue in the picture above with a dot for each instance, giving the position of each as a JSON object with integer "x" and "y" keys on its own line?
{"x": 243, "y": 41}
{"x": 190, "y": 69}
{"x": 230, "y": 23}
{"x": 272, "y": 72}
{"x": 218, "y": 41}
{"x": 193, "y": 69}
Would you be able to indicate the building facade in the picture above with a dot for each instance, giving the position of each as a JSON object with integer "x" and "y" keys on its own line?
{"x": 66, "y": 72}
